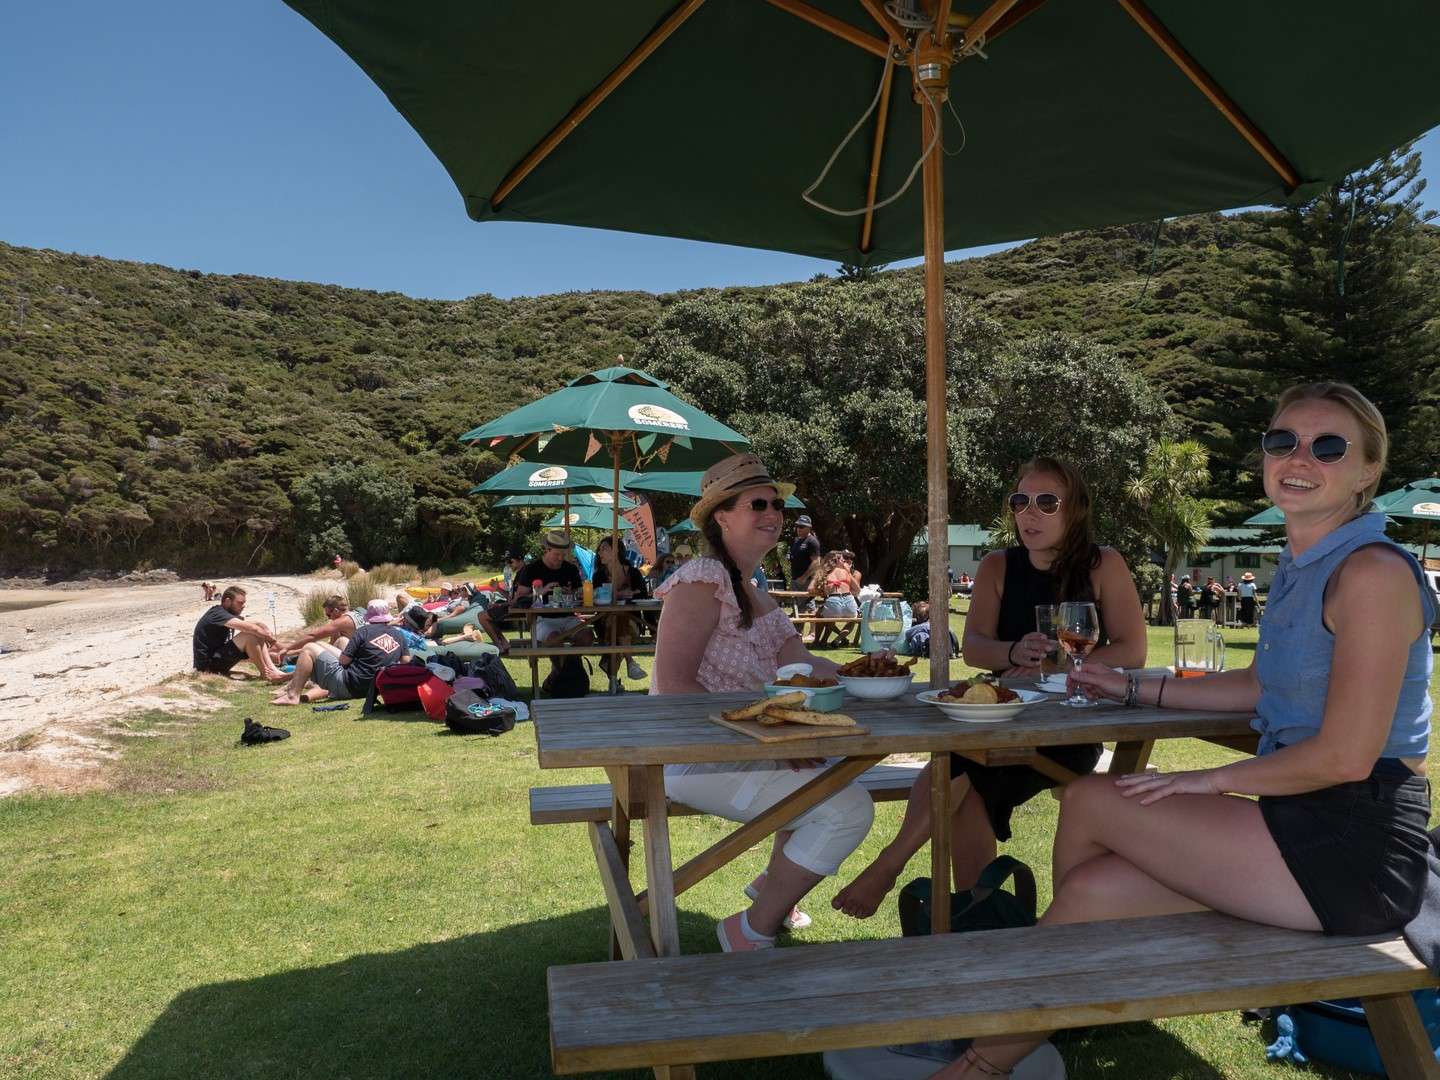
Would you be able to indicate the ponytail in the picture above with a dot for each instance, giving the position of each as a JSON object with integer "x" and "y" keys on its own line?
{"x": 716, "y": 540}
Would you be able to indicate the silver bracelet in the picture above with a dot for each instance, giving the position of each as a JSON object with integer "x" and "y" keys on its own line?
{"x": 1132, "y": 690}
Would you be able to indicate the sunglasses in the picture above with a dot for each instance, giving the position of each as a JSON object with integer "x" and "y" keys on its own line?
{"x": 761, "y": 505}
{"x": 1326, "y": 449}
{"x": 1047, "y": 502}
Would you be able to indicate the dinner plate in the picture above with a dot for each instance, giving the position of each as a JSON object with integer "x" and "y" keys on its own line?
{"x": 980, "y": 714}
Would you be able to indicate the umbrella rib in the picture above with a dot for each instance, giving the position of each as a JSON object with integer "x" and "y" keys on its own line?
{"x": 893, "y": 30}
{"x": 839, "y": 27}
{"x": 1232, "y": 112}
{"x": 592, "y": 101}
{"x": 865, "y": 229}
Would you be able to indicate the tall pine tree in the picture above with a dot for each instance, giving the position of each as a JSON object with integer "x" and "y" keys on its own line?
{"x": 1339, "y": 290}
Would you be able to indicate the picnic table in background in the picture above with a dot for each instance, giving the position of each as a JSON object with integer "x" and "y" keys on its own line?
{"x": 536, "y": 651}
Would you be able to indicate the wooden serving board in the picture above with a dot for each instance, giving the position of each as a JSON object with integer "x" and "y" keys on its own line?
{"x": 786, "y": 732}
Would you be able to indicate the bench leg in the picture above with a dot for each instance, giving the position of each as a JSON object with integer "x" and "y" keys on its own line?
{"x": 1404, "y": 1047}
{"x": 620, "y": 827}
{"x": 940, "y": 822}
{"x": 659, "y": 872}
{"x": 1130, "y": 757}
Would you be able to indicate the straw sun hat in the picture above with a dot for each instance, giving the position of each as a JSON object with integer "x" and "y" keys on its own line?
{"x": 729, "y": 477}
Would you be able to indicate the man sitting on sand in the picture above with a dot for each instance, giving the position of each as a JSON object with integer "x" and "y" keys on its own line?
{"x": 222, "y": 639}
{"x": 351, "y": 672}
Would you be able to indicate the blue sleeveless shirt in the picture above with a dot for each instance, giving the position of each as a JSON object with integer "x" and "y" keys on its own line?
{"x": 1295, "y": 650}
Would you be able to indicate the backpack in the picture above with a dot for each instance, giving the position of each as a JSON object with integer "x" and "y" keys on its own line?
{"x": 397, "y": 687}
{"x": 985, "y": 907}
{"x": 467, "y": 712}
{"x": 434, "y": 692}
{"x": 570, "y": 680}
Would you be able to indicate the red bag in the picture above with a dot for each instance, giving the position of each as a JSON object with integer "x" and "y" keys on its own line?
{"x": 434, "y": 693}
{"x": 397, "y": 687}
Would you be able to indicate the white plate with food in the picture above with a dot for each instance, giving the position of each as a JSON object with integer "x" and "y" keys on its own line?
{"x": 982, "y": 708}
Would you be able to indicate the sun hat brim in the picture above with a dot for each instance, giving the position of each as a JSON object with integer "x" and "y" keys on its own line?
{"x": 750, "y": 472}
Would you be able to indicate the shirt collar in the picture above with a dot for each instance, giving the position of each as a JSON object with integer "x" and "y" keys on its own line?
{"x": 1364, "y": 525}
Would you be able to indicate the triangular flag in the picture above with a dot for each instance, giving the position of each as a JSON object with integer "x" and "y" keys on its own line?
{"x": 592, "y": 447}
{"x": 683, "y": 441}
{"x": 497, "y": 440}
{"x": 664, "y": 452}
{"x": 645, "y": 442}
{"x": 543, "y": 442}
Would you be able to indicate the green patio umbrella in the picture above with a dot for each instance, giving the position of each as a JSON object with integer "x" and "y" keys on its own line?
{"x": 683, "y": 483}
{"x": 685, "y": 526}
{"x": 554, "y": 483}
{"x": 617, "y": 415}
{"x": 597, "y": 500}
{"x": 1271, "y": 515}
{"x": 588, "y": 517}
{"x": 1419, "y": 500}
{"x": 771, "y": 124}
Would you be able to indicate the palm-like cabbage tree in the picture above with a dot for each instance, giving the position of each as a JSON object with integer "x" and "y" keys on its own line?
{"x": 1179, "y": 521}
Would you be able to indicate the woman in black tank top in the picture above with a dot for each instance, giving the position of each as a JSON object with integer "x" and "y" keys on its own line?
{"x": 1057, "y": 560}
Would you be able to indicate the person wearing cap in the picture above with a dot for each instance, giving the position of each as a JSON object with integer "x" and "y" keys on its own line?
{"x": 350, "y": 673}
{"x": 1246, "y": 589}
{"x": 804, "y": 553}
{"x": 553, "y": 571}
{"x": 718, "y": 633}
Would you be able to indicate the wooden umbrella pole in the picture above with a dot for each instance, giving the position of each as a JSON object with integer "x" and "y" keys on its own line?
{"x": 565, "y": 521}
{"x": 937, "y": 448}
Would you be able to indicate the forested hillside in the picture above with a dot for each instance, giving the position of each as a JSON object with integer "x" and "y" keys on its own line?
{"x": 166, "y": 416}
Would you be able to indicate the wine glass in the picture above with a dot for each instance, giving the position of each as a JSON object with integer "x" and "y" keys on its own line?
{"x": 1078, "y": 630}
{"x": 886, "y": 622}
{"x": 1046, "y": 620}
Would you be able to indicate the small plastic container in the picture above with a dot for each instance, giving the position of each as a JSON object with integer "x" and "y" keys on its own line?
{"x": 818, "y": 698}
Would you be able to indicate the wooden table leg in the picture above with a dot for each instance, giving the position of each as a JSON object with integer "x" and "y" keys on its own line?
{"x": 1401, "y": 1038}
{"x": 940, "y": 820}
{"x": 620, "y": 827}
{"x": 659, "y": 872}
{"x": 1130, "y": 757}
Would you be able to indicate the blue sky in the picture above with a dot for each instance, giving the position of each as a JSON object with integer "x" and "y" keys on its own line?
{"x": 235, "y": 138}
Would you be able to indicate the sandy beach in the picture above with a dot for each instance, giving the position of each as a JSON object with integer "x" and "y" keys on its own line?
{"x": 83, "y": 658}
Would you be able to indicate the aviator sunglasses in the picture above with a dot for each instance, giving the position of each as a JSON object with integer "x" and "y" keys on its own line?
{"x": 761, "y": 505}
{"x": 1326, "y": 449}
{"x": 1047, "y": 502}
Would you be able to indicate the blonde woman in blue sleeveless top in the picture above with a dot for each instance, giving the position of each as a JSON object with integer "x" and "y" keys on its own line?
{"x": 1335, "y": 841}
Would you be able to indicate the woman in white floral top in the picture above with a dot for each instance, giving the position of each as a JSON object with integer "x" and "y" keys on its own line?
{"x": 719, "y": 633}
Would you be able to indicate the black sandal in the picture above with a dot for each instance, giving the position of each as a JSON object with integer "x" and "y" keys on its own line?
{"x": 255, "y": 734}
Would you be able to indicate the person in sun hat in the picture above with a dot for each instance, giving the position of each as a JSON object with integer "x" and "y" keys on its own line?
{"x": 349, "y": 673}
{"x": 1247, "y": 598}
{"x": 540, "y": 578}
{"x": 719, "y": 633}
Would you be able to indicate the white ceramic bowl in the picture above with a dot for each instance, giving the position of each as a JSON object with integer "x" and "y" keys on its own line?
{"x": 980, "y": 714}
{"x": 872, "y": 689}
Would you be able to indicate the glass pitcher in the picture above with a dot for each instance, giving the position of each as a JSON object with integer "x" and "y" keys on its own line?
{"x": 1199, "y": 648}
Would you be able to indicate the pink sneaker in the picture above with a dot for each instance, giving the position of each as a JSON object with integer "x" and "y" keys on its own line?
{"x": 796, "y": 920}
{"x": 733, "y": 939}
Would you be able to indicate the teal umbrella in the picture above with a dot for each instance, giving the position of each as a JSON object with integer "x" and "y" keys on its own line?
{"x": 685, "y": 526}
{"x": 683, "y": 483}
{"x": 597, "y": 500}
{"x": 1272, "y": 515}
{"x": 589, "y": 517}
{"x": 1066, "y": 115}
{"x": 1419, "y": 500}
{"x": 616, "y": 417}
{"x": 533, "y": 478}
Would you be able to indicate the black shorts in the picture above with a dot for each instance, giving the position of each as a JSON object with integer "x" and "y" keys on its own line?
{"x": 1357, "y": 850}
{"x": 223, "y": 659}
{"x": 1003, "y": 787}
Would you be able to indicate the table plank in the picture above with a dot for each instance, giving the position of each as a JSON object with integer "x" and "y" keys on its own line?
{"x": 672, "y": 729}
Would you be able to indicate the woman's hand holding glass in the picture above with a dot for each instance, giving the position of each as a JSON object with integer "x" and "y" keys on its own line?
{"x": 1097, "y": 681}
{"x": 1029, "y": 651}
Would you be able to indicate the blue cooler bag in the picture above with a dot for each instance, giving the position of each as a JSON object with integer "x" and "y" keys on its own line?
{"x": 1335, "y": 1032}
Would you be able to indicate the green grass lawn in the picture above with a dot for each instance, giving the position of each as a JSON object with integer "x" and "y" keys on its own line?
{"x": 367, "y": 899}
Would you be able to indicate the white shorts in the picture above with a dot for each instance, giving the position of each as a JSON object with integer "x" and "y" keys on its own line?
{"x": 545, "y": 627}
{"x": 822, "y": 837}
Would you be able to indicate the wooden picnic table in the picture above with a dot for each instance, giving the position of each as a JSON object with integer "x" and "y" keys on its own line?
{"x": 633, "y": 739}
{"x": 537, "y": 650}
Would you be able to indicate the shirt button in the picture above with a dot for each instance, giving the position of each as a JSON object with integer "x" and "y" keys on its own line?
{"x": 1267, "y": 646}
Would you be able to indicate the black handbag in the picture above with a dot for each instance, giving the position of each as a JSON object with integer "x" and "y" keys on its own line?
{"x": 470, "y": 713}
{"x": 985, "y": 907}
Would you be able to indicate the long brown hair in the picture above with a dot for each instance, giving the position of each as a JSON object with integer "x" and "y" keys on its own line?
{"x": 1077, "y": 555}
{"x": 716, "y": 540}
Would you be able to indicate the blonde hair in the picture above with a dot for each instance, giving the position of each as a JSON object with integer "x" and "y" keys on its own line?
{"x": 1374, "y": 438}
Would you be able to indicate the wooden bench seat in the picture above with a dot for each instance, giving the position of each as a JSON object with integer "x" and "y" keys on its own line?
{"x": 541, "y": 652}
{"x": 681, "y": 1010}
{"x": 592, "y": 802}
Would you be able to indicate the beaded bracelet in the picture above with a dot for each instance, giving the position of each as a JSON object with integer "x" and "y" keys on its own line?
{"x": 1160, "y": 694}
{"x": 1132, "y": 690}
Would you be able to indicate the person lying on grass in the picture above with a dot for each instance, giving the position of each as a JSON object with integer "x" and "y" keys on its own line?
{"x": 350, "y": 672}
